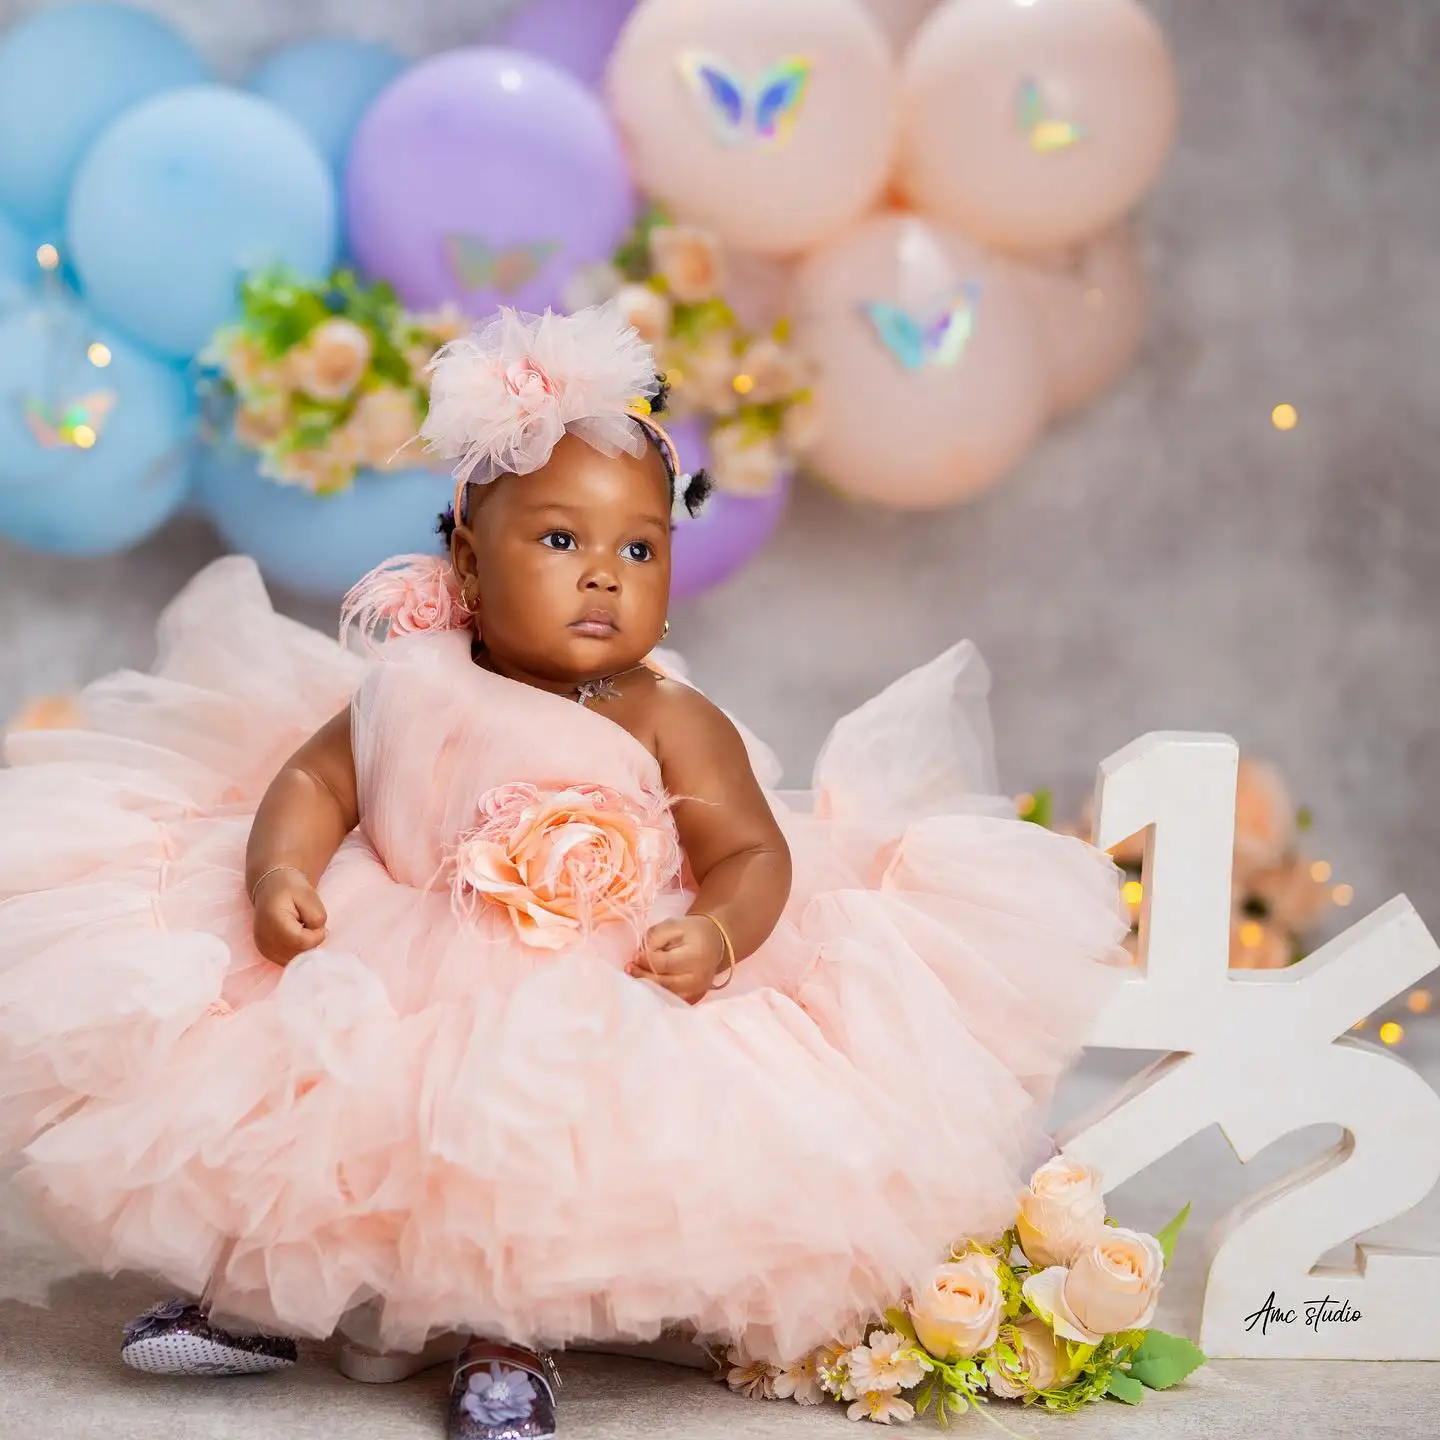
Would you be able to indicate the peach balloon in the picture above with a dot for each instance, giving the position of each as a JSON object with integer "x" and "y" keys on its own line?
{"x": 900, "y": 19}
{"x": 930, "y": 382}
{"x": 771, "y": 124}
{"x": 1089, "y": 305}
{"x": 1035, "y": 125}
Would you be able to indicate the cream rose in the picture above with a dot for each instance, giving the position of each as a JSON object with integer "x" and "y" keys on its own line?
{"x": 689, "y": 261}
{"x": 383, "y": 426}
{"x": 333, "y": 361}
{"x": 259, "y": 422}
{"x": 744, "y": 464}
{"x": 1114, "y": 1284}
{"x": 1062, "y": 1209}
{"x": 648, "y": 311}
{"x": 1039, "y": 1367}
{"x": 957, "y": 1314}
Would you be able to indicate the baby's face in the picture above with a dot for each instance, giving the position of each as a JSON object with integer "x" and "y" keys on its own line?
{"x": 572, "y": 563}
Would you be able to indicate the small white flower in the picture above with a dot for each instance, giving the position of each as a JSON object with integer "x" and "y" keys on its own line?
{"x": 753, "y": 1379}
{"x": 800, "y": 1381}
{"x": 883, "y": 1407}
{"x": 887, "y": 1363}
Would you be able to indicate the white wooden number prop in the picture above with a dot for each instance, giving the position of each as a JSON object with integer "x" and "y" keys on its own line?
{"x": 1261, "y": 1054}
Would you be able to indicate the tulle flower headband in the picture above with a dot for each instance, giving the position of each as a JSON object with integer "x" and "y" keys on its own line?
{"x": 503, "y": 396}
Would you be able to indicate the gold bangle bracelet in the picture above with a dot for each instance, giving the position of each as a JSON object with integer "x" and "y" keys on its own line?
{"x": 273, "y": 870}
{"x": 729, "y": 952}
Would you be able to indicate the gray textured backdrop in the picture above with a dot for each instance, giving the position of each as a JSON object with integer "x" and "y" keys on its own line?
{"x": 1168, "y": 560}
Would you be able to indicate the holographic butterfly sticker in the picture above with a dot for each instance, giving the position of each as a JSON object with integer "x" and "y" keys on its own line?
{"x": 478, "y": 265}
{"x": 77, "y": 426}
{"x": 1046, "y": 134}
{"x": 937, "y": 338}
{"x": 742, "y": 110}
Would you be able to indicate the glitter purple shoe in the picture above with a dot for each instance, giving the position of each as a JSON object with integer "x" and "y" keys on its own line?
{"x": 176, "y": 1339}
{"x": 503, "y": 1392}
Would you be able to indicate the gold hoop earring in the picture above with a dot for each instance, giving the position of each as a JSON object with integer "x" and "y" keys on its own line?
{"x": 666, "y": 630}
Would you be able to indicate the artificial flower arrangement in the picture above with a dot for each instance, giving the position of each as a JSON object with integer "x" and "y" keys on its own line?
{"x": 1055, "y": 1312}
{"x": 1279, "y": 893}
{"x": 324, "y": 378}
{"x": 670, "y": 282}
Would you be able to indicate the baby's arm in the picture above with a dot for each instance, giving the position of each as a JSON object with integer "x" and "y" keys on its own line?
{"x": 310, "y": 807}
{"x": 736, "y": 850}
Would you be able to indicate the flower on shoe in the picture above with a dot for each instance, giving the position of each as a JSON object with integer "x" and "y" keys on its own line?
{"x": 754, "y": 1379}
{"x": 884, "y": 1407}
{"x": 562, "y": 861}
{"x": 1039, "y": 1362}
{"x": 888, "y": 1362}
{"x": 800, "y": 1381}
{"x": 957, "y": 1313}
{"x": 156, "y": 1316}
{"x": 1061, "y": 1210}
{"x": 499, "y": 1396}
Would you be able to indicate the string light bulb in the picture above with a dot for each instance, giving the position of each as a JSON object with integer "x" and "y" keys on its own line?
{"x": 48, "y": 257}
{"x": 1419, "y": 1002}
{"x": 99, "y": 355}
{"x": 1392, "y": 1032}
{"x": 1284, "y": 417}
{"x": 1343, "y": 895}
{"x": 743, "y": 384}
{"x": 1133, "y": 892}
{"x": 1251, "y": 934}
{"x": 1321, "y": 871}
{"x": 83, "y": 437}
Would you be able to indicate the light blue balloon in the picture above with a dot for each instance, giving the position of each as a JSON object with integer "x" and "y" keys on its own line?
{"x": 56, "y": 495}
{"x": 320, "y": 545}
{"x": 183, "y": 195}
{"x": 19, "y": 270}
{"x": 65, "y": 74}
{"x": 325, "y": 86}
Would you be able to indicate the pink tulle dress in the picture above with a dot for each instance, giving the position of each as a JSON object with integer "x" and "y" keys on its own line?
{"x": 466, "y": 1115}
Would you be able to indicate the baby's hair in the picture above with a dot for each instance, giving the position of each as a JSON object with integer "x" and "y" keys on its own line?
{"x": 697, "y": 489}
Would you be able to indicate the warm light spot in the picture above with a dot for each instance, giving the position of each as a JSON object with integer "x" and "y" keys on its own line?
{"x": 1284, "y": 417}
{"x": 1343, "y": 895}
{"x": 1391, "y": 1033}
{"x": 1251, "y": 934}
{"x": 1320, "y": 871}
{"x": 1359, "y": 1024}
{"x": 99, "y": 355}
{"x": 511, "y": 80}
{"x": 1134, "y": 892}
{"x": 49, "y": 257}
{"x": 743, "y": 384}
{"x": 83, "y": 436}
{"x": 1419, "y": 1002}
{"x": 1024, "y": 805}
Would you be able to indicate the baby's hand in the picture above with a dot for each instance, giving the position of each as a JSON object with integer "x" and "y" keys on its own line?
{"x": 290, "y": 917}
{"x": 682, "y": 956}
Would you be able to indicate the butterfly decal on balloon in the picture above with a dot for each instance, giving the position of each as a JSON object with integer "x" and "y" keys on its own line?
{"x": 746, "y": 110}
{"x": 1045, "y": 134}
{"x": 478, "y": 265}
{"x": 77, "y": 425}
{"x": 937, "y": 338}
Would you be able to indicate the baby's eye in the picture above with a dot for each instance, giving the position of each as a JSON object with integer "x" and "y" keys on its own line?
{"x": 638, "y": 551}
{"x": 560, "y": 540}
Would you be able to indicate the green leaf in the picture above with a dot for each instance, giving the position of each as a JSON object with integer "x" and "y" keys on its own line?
{"x": 1305, "y": 818}
{"x": 1123, "y": 1387}
{"x": 1171, "y": 1233}
{"x": 1165, "y": 1360}
{"x": 926, "y": 1398}
{"x": 899, "y": 1321}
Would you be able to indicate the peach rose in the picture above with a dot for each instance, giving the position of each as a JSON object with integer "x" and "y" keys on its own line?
{"x": 322, "y": 472}
{"x": 1061, "y": 1210}
{"x": 1114, "y": 1284}
{"x": 1287, "y": 895}
{"x": 773, "y": 372}
{"x": 333, "y": 361}
{"x": 958, "y": 1313}
{"x": 383, "y": 428}
{"x": 744, "y": 464}
{"x": 529, "y": 384}
{"x": 1264, "y": 817}
{"x": 259, "y": 422}
{"x": 251, "y": 369}
{"x": 1040, "y": 1366}
{"x": 562, "y": 861}
{"x": 689, "y": 261}
{"x": 648, "y": 311}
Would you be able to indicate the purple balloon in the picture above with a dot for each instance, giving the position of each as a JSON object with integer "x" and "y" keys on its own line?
{"x": 485, "y": 177}
{"x": 576, "y": 35}
{"x": 730, "y": 531}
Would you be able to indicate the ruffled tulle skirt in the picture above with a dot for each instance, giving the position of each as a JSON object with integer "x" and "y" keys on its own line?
{"x": 421, "y": 1125}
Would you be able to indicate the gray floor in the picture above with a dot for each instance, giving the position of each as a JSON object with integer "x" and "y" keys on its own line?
{"x": 1167, "y": 561}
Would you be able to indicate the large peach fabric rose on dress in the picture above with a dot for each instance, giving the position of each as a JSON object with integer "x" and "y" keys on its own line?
{"x": 561, "y": 862}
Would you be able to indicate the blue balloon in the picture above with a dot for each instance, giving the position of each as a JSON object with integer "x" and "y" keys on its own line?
{"x": 65, "y": 74}
{"x": 19, "y": 270}
{"x": 325, "y": 86}
{"x": 320, "y": 545}
{"x": 182, "y": 196}
{"x": 96, "y": 442}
